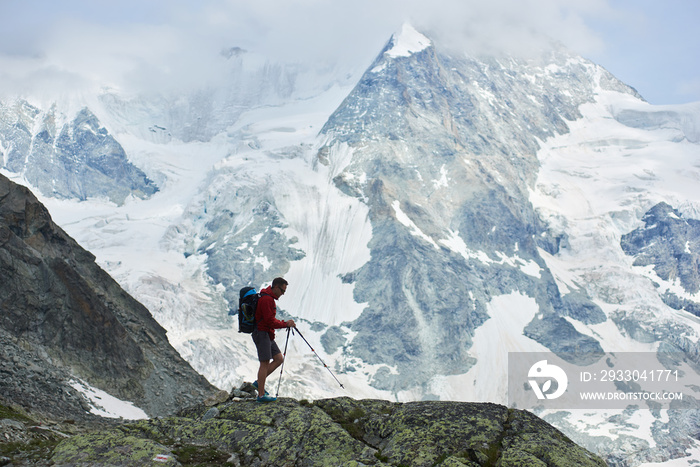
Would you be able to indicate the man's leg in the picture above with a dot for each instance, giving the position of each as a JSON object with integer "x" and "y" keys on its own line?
{"x": 263, "y": 371}
{"x": 266, "y": 369}
{"x": 264, "y": 346}
{"x": 277, "y": 360}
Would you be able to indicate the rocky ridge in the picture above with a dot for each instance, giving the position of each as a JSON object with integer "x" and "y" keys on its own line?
{"x": 236, "y": 430}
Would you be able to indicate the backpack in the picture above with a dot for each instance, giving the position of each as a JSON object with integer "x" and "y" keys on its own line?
{"x": 247, "y": 303}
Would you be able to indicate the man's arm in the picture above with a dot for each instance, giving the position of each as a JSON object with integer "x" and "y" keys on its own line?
{"x": 266, "y": 308}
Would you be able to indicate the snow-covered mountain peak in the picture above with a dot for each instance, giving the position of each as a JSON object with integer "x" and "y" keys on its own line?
{"x": 407, "y": 42}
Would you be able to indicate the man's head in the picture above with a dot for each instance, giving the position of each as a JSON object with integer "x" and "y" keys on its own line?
{"x": 279, "y": 287}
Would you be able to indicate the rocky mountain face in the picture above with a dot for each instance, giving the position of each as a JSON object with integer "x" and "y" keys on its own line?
{"x": 63, "y": 318}
{"x": 428, "y": 141}
{"x": 669, "y": 243}
{"x": 66, "y": 158}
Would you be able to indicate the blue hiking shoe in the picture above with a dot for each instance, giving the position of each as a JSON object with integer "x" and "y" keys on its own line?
{"x": 255, "y": 385}
{"x": 266, "y": 399}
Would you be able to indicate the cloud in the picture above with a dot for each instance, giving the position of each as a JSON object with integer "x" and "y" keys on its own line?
{"x": 519, "y": 27}
{"x": 175, "y": 44}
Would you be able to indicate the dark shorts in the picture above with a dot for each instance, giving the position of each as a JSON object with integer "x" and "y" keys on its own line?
{"x": 267, "y": 348}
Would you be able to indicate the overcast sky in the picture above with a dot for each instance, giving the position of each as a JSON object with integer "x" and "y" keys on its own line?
{"x": 650, "y": 45}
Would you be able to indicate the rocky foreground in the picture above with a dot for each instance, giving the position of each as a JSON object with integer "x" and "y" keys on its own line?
{"x": 235, "y": 430}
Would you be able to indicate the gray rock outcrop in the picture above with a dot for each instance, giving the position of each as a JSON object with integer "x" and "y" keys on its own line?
{"x": 62, "y": 317}
{"x": 338, "y": 432}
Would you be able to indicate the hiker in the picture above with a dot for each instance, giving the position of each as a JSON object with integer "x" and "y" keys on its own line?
{"x": 269, "y": 353}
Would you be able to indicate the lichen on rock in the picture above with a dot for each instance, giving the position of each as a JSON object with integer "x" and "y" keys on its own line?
{"x": 332, "y": 432}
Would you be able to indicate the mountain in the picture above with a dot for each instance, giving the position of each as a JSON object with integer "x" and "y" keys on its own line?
{"x": 68, "y": 330}
{"x": 433, "y": 214}
{"x": 68, "y": 159}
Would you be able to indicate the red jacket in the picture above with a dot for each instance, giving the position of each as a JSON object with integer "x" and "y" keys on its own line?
{"x": 266, "y": 313}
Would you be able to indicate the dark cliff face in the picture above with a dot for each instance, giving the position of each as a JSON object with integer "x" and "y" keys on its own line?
{"x": 58, "y": 305}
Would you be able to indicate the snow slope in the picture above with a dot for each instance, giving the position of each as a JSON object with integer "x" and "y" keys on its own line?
{"x": 595, "y": 184}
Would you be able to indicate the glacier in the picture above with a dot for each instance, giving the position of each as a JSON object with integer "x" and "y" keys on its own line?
{"x": 431, "y": 213}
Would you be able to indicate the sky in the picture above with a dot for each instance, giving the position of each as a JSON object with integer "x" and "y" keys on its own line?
{"x": 46, "y": 45}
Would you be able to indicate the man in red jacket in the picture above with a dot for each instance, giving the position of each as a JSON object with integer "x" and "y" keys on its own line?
{"x": 266, "y": 320}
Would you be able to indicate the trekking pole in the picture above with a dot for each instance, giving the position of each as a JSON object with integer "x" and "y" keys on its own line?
{"x": 324, "y": 363}
{"x": 284, "y": 355}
